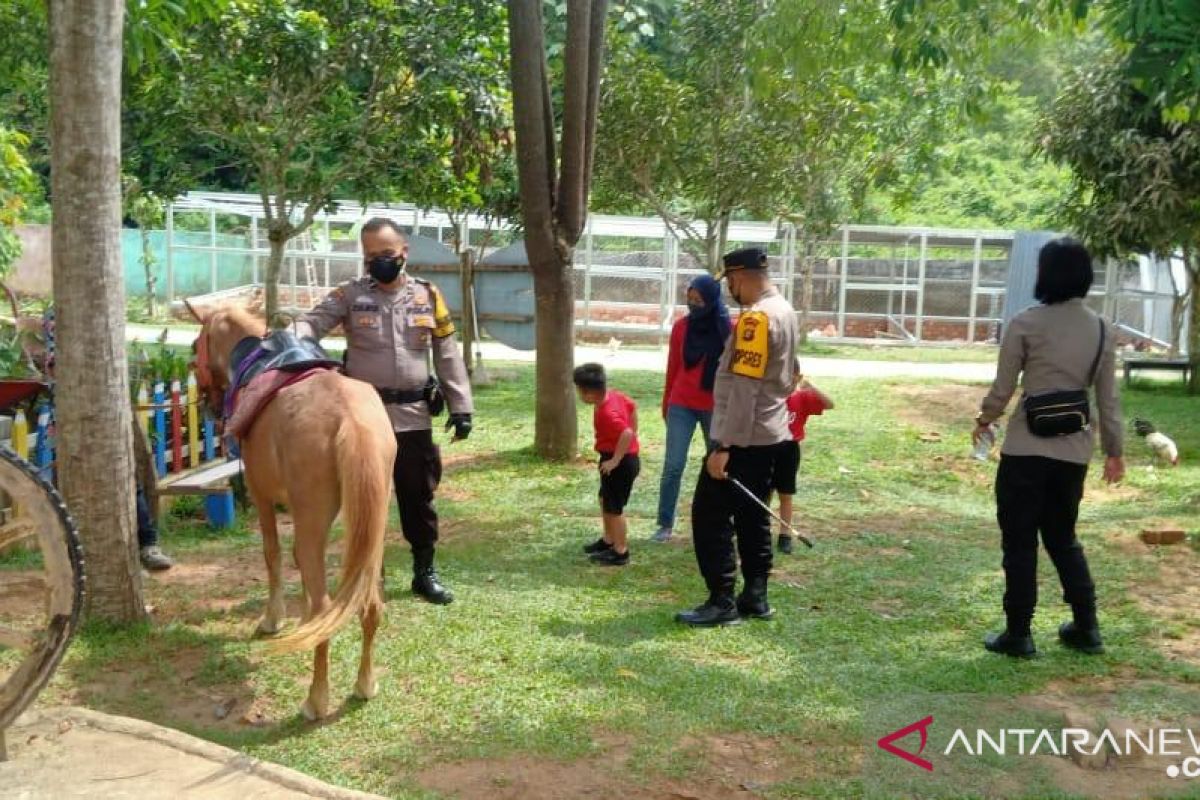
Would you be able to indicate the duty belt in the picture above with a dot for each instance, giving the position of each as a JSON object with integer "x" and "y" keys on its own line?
{"x": 400, "y": 396}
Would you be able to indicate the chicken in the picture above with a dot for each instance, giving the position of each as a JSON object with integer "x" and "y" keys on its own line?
{"x": 1162, "y": 446}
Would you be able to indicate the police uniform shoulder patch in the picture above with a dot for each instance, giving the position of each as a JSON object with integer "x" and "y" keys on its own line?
{"x": 750, "y": 345}
{"x": 443, "y": 322}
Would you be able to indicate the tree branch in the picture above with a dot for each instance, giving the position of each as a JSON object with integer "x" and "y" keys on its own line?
{"x": 571, "y": 200}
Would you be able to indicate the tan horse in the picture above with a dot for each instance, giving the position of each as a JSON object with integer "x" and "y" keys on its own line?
{"x": 322, "y": 445}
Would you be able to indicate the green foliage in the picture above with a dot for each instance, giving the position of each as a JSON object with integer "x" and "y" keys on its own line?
{"x": 1136, "y": 184}
{"x": 1162, "y": 51}
{"x": 16, "y": 184}
{"x": 154, "y": 363}
{"x": 990, "y": 177}
{"x": 715, "y": 124}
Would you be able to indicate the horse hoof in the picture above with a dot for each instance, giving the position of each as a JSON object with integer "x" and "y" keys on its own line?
{"x": 311, "y": 713}
{"x": 367, "y": 693}
{"x": 267, "y": 628}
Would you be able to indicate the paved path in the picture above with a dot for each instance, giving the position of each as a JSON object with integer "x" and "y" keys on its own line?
{"x": 77, "y": 753}
{"x": 656, "y": 359}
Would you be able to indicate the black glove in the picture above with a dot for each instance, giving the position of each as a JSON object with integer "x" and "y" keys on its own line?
{"x": 461, "y": 424}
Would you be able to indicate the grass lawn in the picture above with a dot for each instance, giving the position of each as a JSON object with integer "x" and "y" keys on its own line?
{"x": 552, "y": 678}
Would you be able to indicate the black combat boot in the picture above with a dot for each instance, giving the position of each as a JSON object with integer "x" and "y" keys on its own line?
{"x": 1010, "y": 644}
{"x": 718, "y": 609}
{"x": 752, "y": 602}
{"x": 1083, "y": 632}
{"x": 425, "y": 579}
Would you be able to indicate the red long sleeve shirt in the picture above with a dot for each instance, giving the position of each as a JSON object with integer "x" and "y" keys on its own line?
{"x": 683, "y": 382}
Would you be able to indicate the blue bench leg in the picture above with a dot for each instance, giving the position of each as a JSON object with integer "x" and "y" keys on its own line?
{"x": 219, "y": 510}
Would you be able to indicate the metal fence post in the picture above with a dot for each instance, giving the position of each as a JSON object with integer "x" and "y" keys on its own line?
{"x": 254, "y": 250}
{"x": 665, "y": 294}
{"x": 975, "y": 287}
{"x": 170, "y": 252}
{"x": 587, "y": 276}
{"x": 328, "y": 250}
{"x": 841, "y": 314}
{"x": 921, "y": 285}
{"x": 212, "y": 253}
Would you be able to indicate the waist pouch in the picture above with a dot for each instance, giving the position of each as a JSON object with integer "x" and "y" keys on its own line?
{"x": 1058, "y": 413}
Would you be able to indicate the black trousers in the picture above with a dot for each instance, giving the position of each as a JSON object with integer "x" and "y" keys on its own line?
{"x": 720, "y": 510}
{"x": 416, "y": 474}
{"x": 1035, "y": 494}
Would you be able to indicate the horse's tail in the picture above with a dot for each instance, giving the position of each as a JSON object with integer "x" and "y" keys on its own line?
{"x": 364, "y": 470}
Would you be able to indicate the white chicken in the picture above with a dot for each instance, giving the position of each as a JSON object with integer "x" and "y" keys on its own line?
{"x": 1161, "y": 444}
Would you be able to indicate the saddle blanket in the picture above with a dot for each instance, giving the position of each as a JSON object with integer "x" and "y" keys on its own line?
{"x": 250, "y": 400}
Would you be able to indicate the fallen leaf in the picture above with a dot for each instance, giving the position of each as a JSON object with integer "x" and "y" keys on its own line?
{"x": 626, "y": 673}
{"x": 932, "y": 436}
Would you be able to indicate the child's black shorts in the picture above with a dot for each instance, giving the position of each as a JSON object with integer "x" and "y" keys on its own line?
{"x": 616, "y": 486}
{"x": 787, "y": 464}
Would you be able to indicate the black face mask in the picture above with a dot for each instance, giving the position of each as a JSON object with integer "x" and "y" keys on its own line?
{"x": 386, "y": 268}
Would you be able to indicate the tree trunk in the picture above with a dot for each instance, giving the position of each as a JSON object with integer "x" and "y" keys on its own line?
{"x": 148, "y": 266}
{"x": 467, "y": 268}
{"x": 555, "y": 434}
{"x": 278, "y": 242}
{"x": 95, "y": 454}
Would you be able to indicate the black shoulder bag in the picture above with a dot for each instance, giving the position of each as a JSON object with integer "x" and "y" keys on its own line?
{"x": 1063, "y": 413}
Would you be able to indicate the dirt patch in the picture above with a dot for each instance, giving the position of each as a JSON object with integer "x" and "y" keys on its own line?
{"x": 735, "y": 767}
{"x": 939, "y": 410}
{"x": 1171, "y": 595}
{"x": 1124, "y": 775}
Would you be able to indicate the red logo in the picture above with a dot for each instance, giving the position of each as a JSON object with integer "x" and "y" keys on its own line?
{"x": 886, "y": 743}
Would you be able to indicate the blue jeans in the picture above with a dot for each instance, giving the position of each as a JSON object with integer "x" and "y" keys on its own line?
{"x": 147, "y": 530}
{"x": 681, "y": 424}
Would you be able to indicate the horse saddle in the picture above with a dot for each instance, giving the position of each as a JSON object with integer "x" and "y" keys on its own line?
{"x": 281, "y": 350}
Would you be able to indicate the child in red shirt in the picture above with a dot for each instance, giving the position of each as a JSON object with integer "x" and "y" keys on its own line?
{"x": 615, "y": 421}
{"x": 805, "y": 401}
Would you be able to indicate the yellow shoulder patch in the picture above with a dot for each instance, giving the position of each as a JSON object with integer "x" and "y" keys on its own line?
{"x": 750, "y": 345}
{"x": 443, "y": 322}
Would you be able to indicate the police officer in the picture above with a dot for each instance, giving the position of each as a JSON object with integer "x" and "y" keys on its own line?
{"x": 393, "y": 323}
{"x": 749, "y": 431}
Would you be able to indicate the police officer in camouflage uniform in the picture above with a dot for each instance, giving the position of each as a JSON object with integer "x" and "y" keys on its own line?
{"x": 748, "y": 435}
{"x": 395, "y": 325}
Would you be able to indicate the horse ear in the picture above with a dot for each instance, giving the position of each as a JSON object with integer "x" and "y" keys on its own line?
{"x": 201, "y": 315}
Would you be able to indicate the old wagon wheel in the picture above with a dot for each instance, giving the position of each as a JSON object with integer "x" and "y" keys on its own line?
{"x": 41, "y": 586}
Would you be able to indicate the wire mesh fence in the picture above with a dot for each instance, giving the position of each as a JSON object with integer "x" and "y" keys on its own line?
{"x": 913, "y": 285}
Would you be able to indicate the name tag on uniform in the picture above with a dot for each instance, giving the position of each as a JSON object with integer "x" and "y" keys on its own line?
{"x": 420, "y": 320}
{"x": 362, "y": 306}
{"x": 750, "y": 345}
{"x": 366, "y": 320}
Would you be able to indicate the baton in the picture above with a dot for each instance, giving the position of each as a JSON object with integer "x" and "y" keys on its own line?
{"x": 802, "y": 537}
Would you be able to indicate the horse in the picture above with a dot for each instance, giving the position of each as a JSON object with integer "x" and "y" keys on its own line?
{"x": 323, "y": 444}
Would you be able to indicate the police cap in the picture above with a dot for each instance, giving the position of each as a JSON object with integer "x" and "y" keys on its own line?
{"x": 746, "y": 258}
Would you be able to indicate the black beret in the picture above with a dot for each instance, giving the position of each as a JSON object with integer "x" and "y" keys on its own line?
{"x": 747, "y": 258}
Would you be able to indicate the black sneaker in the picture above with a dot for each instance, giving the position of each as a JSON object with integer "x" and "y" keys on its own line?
{"x": 598, "y": 546}
{"x": 1009, "y": 645}
{"x": 785, "y": 544}
{"x": 1076, "y": 638}
{"x": 610, "y": 558}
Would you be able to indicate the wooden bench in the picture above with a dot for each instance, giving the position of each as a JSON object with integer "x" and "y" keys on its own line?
{"x": 211, "y": 481}
{"x": 1182, "y": 365}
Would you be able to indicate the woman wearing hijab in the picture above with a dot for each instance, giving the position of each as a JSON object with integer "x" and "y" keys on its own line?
{"x": 696, "y": 344}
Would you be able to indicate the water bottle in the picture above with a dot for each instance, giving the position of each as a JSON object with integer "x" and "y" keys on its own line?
{"x": 983, "y": 450}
